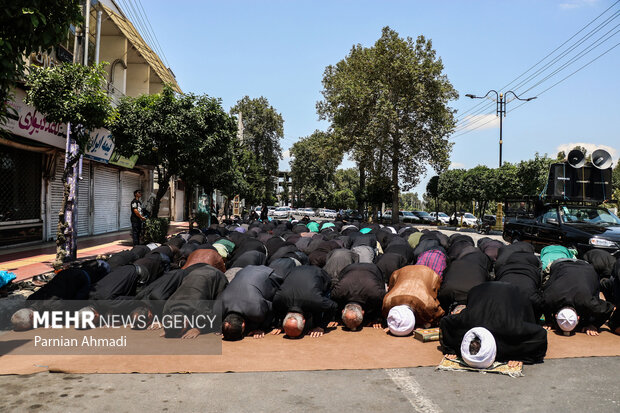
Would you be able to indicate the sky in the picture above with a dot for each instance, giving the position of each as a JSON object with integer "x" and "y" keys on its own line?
{"x": 280, "y": 49}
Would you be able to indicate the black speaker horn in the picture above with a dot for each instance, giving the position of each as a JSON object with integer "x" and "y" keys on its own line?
{"x": 601, "y": 159}
{"x": 576, "y": 158}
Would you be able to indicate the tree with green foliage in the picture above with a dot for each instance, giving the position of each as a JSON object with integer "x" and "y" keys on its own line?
{"x": 71, "y": 94}
{"x": 432, "y": 189}
{"x": 532, "y": 175}
{"x": 185, "y": 135}
{"x": 390, "y": 101}
{"x": 263, "y": 128}
{"x": 27, "y": 26}
{"x": 313, "y": 168}
{"x": 450, "y": 187}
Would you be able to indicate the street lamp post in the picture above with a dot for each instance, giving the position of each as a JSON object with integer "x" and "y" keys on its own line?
{"x": 500, "y": 109}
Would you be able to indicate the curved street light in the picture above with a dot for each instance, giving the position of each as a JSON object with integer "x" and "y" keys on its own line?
{"x": 500, "y": 109}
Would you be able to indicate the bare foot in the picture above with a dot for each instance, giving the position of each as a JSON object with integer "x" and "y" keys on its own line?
{"x": 316, "y": 332}
{"x": 547, "y": 327}
{"x": 450, "y": 356}
{"x": 375, "y": 325}
{"x": 513, "y": 363}
{"x": 191, "y": 333}
{"x": 591, "y": 330}
{"x": 276, "y": 331}
{"x": 387, "y": 330}
{"x": 332, "y": 324}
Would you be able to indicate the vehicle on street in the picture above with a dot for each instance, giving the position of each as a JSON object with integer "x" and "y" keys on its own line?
{"x": 574, "y": 226}
{"x": 443, "y": 217}
{"x": 466, "y": 219}
{"x": 282, "y": 212}
{"x": 270, "y": 210}
{"x": 424, "y": 216}
{"x": 352, "y": 215}
{"x": 329, "y": 213}
{"x": 306, "y": 211}
{"x": 403, "y": 216}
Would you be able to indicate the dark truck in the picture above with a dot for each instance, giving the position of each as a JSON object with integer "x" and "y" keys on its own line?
{"x": 575, "y": 225}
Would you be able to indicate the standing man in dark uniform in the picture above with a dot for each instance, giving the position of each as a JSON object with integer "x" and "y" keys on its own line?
{"x": 136, "y": 217}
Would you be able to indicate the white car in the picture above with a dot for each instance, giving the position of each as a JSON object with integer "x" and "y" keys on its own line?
{"x": 443, "y": 217}
{"x": 468, "y": 219}
{"x": 329, "y": 213}
{"x": 306, "y": 211}
{"x": 270, "y": 210}
{"x": 282, "y": 212}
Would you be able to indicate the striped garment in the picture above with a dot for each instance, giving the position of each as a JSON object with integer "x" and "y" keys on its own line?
{"x": 435, "y": 260}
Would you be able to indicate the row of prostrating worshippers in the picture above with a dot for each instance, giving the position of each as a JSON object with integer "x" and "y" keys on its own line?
{"x": 299, "y": 276}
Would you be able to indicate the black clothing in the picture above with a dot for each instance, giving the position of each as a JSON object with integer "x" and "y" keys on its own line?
{"x": 401, "y": 247}
{"x": 249, "y": 244}
{"x": 369, "y": 240}
{"x": 337, "y": 260}
{"x": 306, "y": 291}
{"x": 602, "y": 261}
{"x": 273, "y": 244}
{"x": 390, "y": 262}
{"x": 250, "y": 258}
{"x": 155, "y": 294}
{"x": 282, "y": 266}
{"x": 197, "y": 239}
{"x": 140, "y": 250}
{"x": 201, "y": 285}
{"x": 499, "y": 308}
{"x": 458, "y": 244}
{"x": 521, "y": 269}
{"x": 318, "y": 257}
{"x": 360, "y": 283}
{"x": 136, "y": 205}
{"x": 250, "y": 295}
{"x": 122, "y": 282}
{"x": 461, "y": 276}
{"x": 426, "y": 244}
{"x": 136, "y": 231}
{"x": 574, "y": 283}
{"x": 69, "y": 284}
{"x": 121, "y": 258}
{"x": 151, "y": 268}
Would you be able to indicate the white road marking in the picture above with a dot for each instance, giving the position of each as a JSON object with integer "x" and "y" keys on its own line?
{"x": 412, "y": 390}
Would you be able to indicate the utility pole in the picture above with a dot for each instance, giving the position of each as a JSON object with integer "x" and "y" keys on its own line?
{"x": 500, "y": 110}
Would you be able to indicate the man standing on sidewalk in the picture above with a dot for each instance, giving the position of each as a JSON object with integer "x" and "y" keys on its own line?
{"x": 136, "y": 217}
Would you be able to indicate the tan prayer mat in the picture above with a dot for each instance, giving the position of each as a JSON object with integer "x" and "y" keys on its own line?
{"x": 336, "y": 350}
{"x": 498, "y": 368}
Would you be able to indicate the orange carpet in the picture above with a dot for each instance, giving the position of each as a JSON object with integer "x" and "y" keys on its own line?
{"x": 336, "y": 350}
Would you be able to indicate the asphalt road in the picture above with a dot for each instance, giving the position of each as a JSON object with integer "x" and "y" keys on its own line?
{"x": 567, "y": 385}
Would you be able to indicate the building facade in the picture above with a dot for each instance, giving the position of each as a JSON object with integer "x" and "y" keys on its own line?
{"x": 32, "y": 150}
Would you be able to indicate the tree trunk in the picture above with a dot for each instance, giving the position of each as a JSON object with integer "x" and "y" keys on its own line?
{"x": 227, "y": 207}
{"x": 66, "y": 238}
{"x": 395, "y": 186}
{"x": 360, "y": 195}
{"x": 437, "y": 210}
{"x": 164, "y": 184}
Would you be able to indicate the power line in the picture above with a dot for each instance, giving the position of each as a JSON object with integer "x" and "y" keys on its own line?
{"x": 540, "y": 61}
{"x": 549, "y": 88}
{"x": 153, "y": 32}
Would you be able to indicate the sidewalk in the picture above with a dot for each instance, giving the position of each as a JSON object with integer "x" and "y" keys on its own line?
{"x": 27, "y": 261}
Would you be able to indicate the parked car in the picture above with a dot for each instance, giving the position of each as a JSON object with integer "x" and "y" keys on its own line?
{"x": 443, "y": 217}
{"x": 403, "y": 216}
{"x": 352, "y": 215}
{"x": 282, "y": 212}
{"x": 468, "y": 219}
{"x": 575, "y": 226}
{"x": 329, "y": 213}
{"x": 270, "y": 210}
{"x": 306, "y": 211}
{"x": 424, "y": 216}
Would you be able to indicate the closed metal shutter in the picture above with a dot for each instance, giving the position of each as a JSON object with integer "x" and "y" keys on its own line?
{"x": 106, "y": 200}
{"x": 54, "y": 196}
{"x": 130, "y": 181}
{"x": 84, "y": 200}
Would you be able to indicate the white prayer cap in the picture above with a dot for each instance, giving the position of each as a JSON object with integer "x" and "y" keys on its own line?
{"x": 392, "y": 230}
{"x": 153, "y": 245}
{"x": 567, "y": 319}
{"x": 488, "y": 349}
{"x": 297, "y": 263}
{"x": 401, "y": 320}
